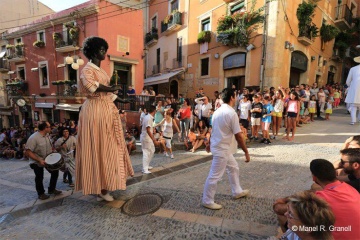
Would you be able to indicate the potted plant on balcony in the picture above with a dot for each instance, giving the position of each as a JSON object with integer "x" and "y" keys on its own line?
{"x": 235, "y": 30}
{"x": 328, "y": 32}
{"x": 57, "y": 37}
{"x": 39, "y": 44}
{"x": 203, "y": 37}
{"x": 168, "y": 19}
{"x": 8, "y": 46}
{"x": 304, "y": 14}
{"x": 342, "y": 42}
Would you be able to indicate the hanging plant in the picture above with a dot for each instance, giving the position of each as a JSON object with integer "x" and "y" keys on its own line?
{"x": 39, "y": 44}
{"x": 235, "y": 30}
{"x": 57, "y": 36}
{"x": 74, "y": 33}
{"x": 328, "y": 32}
{"x": 342, "y": 42}
{"x": 8, "y": 46}
{"x": 203, "y": 37}
{"x": 304, "y": 14}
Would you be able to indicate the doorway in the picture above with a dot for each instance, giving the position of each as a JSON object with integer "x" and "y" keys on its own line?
{"x": 294, "y": 77}
{"x": 238, "y": 81}
{"x": 121, "y": 76}
{"x": 174, "y": 88}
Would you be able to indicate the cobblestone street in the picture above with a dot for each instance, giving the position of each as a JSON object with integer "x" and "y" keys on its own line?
{"x": 275, "y": 170}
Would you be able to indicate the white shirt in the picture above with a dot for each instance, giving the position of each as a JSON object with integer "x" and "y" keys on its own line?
{"x": 244, "y": 108}
{"x": 314, "y": 91}
{"x": 2, "y": 137}
{"x": 148, "y": 121}
{"x": 204, "y": 109}
{"x": 225, "y": 123}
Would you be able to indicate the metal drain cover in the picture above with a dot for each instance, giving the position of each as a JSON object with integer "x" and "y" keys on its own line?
{"x": 142, "y": 204}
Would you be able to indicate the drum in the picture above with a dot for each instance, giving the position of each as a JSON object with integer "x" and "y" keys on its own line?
{"x": 54, "y": 162}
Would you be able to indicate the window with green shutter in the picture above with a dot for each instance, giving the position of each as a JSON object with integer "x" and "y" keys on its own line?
{"x": 237, "y": 7}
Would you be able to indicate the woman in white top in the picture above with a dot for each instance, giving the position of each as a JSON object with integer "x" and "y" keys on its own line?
{"x": 278, "y": 112}
{"x": 168, "y": 122}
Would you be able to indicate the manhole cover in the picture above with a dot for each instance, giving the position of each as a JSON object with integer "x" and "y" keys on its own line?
{"x": 142, "y": 204}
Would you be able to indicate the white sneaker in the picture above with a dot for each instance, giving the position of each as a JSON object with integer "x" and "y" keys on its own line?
{"x": 146, "y": 172}
{"x": 242, "y": 194}
{"x": 352, "y": 123}
{"x": 107, "y": 197}
{"x": 166, "y": 154}
{"x": 172, "y": 156}
{"x": 150, "y": 167}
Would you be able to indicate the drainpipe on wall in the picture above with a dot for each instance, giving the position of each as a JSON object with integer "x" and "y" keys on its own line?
{"x": 55, "y": 66}
{"x": 263, "y": 60}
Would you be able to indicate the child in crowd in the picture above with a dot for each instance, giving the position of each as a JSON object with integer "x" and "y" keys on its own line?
{"x": 191, "y": 139}
{"x": 292, "y": 109}
{"x": 266, "y": 119}
{"x": 328, "y": 108}
{"x": 312, "y": 107}
{"x": 337, "y": 96}
{"x": 256, "y": 114}
{"x": 244, "y": 113}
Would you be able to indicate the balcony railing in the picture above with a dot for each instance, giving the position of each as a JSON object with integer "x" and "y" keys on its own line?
{"x": 156, "y": 69}
{"x": 173, "y": 24}
{"x": 64, "y": 42}
{"x": 16, "y": 54}
{"x": 178, "y": 62}
{"x": 151, "y": 37}
{"x": 17, "y": 89}
{"x": 305, "y": 36}
{"x": 343, "y": 17}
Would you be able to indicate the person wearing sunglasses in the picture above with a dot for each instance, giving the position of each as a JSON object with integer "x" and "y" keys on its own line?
{"x": 350, "y": 163}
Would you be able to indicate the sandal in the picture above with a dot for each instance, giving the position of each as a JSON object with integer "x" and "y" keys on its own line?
{"x": 65, "y": 181}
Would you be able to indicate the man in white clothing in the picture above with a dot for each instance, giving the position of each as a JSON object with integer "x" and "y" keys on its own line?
{"x": 225, "y": 137}
{"x": 353, "y": 92}
{"x": 205, "y": 108}
{"x": 147, "y": 140}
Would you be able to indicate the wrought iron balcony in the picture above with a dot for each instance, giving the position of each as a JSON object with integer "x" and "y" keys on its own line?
{"x": 16, "y": 54}
{"x": 65, "y": 42}
{"x": 178, "y": 62}
{"x": 173, "y": 23}
{"x": 17, "y": 88}
{"x": 343, "y": 17}
{"x": 156, "y": 69}
{"x": 151, "y": 37}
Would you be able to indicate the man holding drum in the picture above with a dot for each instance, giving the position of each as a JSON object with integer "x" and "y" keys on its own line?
{"x": 66, "y": 146}
{"x": 38, "y": 146}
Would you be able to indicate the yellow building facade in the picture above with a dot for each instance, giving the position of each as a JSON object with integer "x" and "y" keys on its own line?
{"x": 277, "y": 52}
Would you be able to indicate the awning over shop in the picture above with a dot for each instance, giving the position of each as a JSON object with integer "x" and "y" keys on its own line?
{"x": 11, "y": 72}
{"x": 61, "y": 65}
{"x": 163, "y": 78}
{"x": 44, "y": 105}
{"x": 34, "y": 69}
{"x": 68, "y": 107}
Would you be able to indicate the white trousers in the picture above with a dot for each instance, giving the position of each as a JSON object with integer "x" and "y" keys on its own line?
{"x": 148, "y": 149}
{"x": 354, "y": 107}
{"x": 219, "y": 165}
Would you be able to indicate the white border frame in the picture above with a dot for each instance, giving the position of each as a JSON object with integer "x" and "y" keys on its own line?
{"x": 42, "y": 63}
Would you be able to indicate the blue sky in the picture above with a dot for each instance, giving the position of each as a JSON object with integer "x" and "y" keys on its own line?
{"x": 58, "y": 5}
